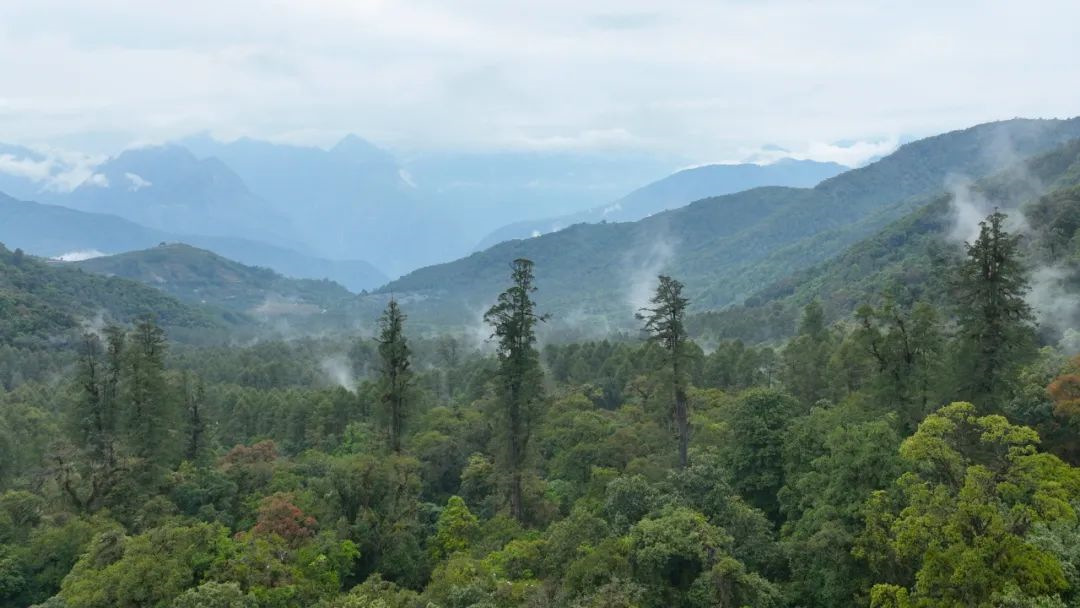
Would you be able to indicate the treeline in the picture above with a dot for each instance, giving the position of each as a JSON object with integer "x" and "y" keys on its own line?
{"x": 911, "y": 455}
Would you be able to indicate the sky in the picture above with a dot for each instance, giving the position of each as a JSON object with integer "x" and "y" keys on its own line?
{"x": 709, "y": 81}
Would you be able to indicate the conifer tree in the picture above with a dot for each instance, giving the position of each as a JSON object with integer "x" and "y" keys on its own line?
{"x": 395, "y": 375}
{"x": 664, "y": 322}
{"x": 150, "y": 411}
{"x": 194, "y": 396}
{"x": 513, "y": 320}
{"x": 88, "y": 473}
{"x": 995, "y": 322}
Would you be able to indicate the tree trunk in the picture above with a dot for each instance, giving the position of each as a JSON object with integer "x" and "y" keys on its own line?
{"x": 682, "y": 423}
{"x": 517, "y": 508}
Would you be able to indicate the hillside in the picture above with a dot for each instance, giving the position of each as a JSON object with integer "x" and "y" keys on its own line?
{"x": 43, "y": 303}
{"x": 199, "y": 276}
{"x": 909, "y": 260}
{"x": 679, "y": 189}
{"x": 724, "y": 248}
{"x": 53, "y": 231}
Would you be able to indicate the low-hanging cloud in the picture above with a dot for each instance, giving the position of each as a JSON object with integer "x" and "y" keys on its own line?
{"x": 1055, "y": 303}
{"x": 644, "y": 265}
{"x": 79, "y": 255}
{"x": 50, "y": 168}
{"x": 338, "y": 370}
{"x": 27, "y": 168}
{"x": 968, "y": 207}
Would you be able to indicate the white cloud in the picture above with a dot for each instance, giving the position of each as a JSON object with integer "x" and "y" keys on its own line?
{"x": 407, "y": 178}
{"x": 54, "y": 169}
{"x": 700, "y": 78}
{"x": 137, "y": 182}
{"x": 99, "y": 180}
{"x": 28, "y": 168}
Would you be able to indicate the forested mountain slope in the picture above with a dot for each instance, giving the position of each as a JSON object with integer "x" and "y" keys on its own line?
{"x": 53, "y": 230}
{"x": 909, "y": 259}
{"x": 43, "y": 303}
{"x": 200, "y": 276}
{"x": 725, "y": 248}
{"x": 679, "y": 189}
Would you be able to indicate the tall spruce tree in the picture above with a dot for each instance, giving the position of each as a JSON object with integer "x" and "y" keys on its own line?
{"x": 996, "y": 332}
{"x": 195, "y": 417}
{"x": 513, "y": 320}
{"x": 395, "y": 376}
{"x": 664, "y": 322}
{"x": 150, "y": 410}
{"x": 88, "y": 474}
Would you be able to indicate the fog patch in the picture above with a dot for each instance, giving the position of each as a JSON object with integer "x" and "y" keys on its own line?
{"x": 95, "y": 325}
{"x": 1055, "y": 305}
{"x": 276, "y": 306}
{"x": 338, "y": 371}
{"x": 645, "y": 264}
{"x": 967, "y": 207}
{"x": 80, "y": 255}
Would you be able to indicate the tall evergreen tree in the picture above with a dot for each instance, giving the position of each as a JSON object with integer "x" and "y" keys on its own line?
{"x": 88, "y": 474}
{"x": 395, "y": 375}
{"x": 806, "y": 357}
{"x": 513, "y": 320}
{"x": 996, "y": 334}
{"x": 194, "y": 396}
{"x": 450, "y": 356}
{"x": 150, "y": 412}
{"x": 664, "y": 322}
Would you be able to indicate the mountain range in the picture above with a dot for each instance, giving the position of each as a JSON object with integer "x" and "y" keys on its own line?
{"x": 55, "y": 231}
{"x": 724, "y": 248}
{"x": 353, "y": 201}
{"x": 677, "y": 190}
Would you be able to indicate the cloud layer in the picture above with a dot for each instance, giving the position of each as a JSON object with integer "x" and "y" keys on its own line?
{"x": 708, "y": 80}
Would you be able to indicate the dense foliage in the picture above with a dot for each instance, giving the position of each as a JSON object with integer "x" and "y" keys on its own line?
{"x": 863, "y": 463}
{"x": 896, "y": 428}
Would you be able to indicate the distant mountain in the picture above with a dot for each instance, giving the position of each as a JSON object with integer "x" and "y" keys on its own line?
{"x": 500, "y": 188}
{"x": 352, "y": 201}
{"x": 54, "y": 231}
{"x": 728, "y": 247}
{"x": 42, "y": 303}
{"x": 677, "y": 190}
{"x": 203, "y": 277}
{"x": 359, "y": 201}
{"x": 168, "y": 188}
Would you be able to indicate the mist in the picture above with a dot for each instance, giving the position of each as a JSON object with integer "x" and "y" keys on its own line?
{"x": 644, "y": 265}
{"x": 338, "y": 371}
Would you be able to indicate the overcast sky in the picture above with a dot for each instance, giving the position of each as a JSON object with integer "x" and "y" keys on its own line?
{"x": 706, "y": 80}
